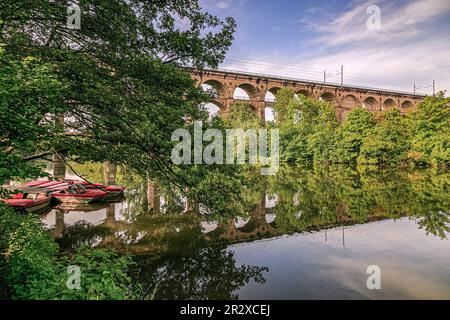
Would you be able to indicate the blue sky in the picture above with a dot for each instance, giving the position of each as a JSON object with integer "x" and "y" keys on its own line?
{"x": 303, "y": 38}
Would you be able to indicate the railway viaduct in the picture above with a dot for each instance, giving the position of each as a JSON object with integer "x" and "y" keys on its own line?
{"x": 223, "y": 83}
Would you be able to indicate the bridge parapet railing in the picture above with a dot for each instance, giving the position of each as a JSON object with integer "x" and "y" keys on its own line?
{"x": 333, "y": 84}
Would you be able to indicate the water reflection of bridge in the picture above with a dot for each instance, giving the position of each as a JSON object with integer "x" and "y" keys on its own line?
{"x": 260, "y": 223}
{"x": 141, "y": 234}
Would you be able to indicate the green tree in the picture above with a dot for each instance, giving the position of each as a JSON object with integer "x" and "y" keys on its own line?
{"x": 242, "y": 116}
{"x": 431, "y": 132}
{"x": 359, "y": 123}
{"x": 120, "y": 82}
{"x": 307, "y": 127}
{"x": 29, "y": 91}
{"x": 389, "y": 141}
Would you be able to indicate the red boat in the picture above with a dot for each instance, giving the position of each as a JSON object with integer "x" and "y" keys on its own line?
{"x": 114, "y": 192}
{"x": 31, "y": 200}
{"x": 77, "y": 191}
{"x": 78, "y": 194}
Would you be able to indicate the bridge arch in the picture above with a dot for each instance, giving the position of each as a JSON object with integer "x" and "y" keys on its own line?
{"x": 327, "y": 97}
{"x": 349, "y": 102}
{"x": 245, "y": 91}
{"x": 250, "y": 226}
{"x": 214, "y": 108}
{"x": 270, "y": 94}
{"x": 217, "y": 88}
{"x": 407, "y": 105}
{"x": 389, "y": 104}
{"x": 370, "y": 103}
{"x": 304, "y": 92}
{"x": 270, "y": 217}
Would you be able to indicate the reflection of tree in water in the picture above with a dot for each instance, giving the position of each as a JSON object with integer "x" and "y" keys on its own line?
{"x": 205, "y": 273}
{"x": 432, "y": 202}
{"x": 437, "y": 223}
{"x": 80, "y": 234}
{"x": 310, "y": 199}
{"x": 172, "y": 257}
{"x": 175, "y": 261}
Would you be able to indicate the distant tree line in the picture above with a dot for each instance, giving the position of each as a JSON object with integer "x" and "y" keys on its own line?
{"x": 310, "y": 131}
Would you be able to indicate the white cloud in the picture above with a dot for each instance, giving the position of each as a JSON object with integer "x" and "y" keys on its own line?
{"x": 223, "y": 4}
{"x": 397, "y": 23}
{"x": 408, "y": 48}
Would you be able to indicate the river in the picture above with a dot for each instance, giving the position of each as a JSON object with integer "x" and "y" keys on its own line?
{"x": 309, "y": 233}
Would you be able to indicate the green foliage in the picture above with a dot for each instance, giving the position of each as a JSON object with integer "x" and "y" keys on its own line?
{"x": 219, "y": 195}
{"x": 309, "y": 131}
{"x": 28, "y": 91}
{"x": 431, "y": 132}
{"x": 104, "y": 275}
{"x": 350, "y": 135}
{"x": 332, "y": 195}
{"x": 242, "y": 116}
{"x": 389, "y": 141}
{"x": 307, "y": 127}
{"x": 118, "y": 85}
{"x": 31, "y": 267}
{"x": 30, "y": 256}
{"x": 122, "y": 91}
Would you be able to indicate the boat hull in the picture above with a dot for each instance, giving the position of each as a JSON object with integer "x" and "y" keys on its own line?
{"x": 37, "y": 207}
{"x": 75, "y": 199}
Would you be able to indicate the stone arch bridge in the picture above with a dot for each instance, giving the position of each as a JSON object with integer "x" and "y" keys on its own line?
{"x": 344, "y": 98}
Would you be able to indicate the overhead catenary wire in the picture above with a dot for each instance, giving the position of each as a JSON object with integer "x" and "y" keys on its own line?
{"x": 350, "y": 77}
{"x": 311, "y": 70}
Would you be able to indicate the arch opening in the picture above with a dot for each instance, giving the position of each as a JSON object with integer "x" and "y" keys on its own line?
{"x": 269, "y": 97}
{"x": 389, "y": 104}
{"x": 349, "y": 102}
{"x": 370, "y": 103}
{"x": 215, "y": 88}
{"x": 214, "y": 108}
{"x": 407, "y": 105}
{"x": 245, "y": 91}
{"x": 303, "y": 92}
{"x": 327, "y": 97}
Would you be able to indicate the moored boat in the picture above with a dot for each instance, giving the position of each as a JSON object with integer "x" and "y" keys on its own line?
{"x": 77, "y": 194}
{"x": 115, "y": 193}
{"x": 33, "y": 200}
{"x": 79, "y": 191}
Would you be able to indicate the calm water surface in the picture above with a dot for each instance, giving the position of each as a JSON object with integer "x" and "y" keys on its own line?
{"x": 309, "y": 233}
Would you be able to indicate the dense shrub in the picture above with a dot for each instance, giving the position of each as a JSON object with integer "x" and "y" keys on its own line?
{"x": 309, "y": 131}
{"x": 389, "y": 141}
{"x": 31, "y": 268}
{"x": 350, "y": 136}
{"x": 431, "y": 132}
{"x": 307, "y": 127}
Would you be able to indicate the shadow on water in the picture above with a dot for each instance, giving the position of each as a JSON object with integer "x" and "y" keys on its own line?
{"x": 182, "y": 255}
